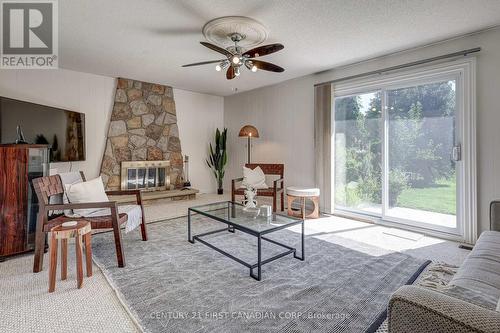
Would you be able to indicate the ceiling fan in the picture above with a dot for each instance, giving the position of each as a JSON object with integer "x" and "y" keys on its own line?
{"x": 236, "y": 57}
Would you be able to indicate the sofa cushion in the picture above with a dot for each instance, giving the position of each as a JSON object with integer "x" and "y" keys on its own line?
{"x": 481, "y": 269}
{"x": 471, "y": 296}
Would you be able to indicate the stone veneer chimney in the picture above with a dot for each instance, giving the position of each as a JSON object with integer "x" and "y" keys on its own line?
{"x": 143, "y": 127}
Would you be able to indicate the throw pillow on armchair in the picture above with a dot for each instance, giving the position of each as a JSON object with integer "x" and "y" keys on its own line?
{"x": 254, "y": 178}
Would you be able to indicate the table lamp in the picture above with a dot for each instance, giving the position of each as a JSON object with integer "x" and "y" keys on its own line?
{"x": 250, "y": 132}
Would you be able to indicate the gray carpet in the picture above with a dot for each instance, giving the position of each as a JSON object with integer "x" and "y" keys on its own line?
{"x": 171, "y": 285}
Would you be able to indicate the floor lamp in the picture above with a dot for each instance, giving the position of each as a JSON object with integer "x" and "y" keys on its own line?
{"x": 250, "y": 132}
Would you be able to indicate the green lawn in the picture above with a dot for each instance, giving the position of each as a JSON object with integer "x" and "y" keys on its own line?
{"x": 440, "y": 198}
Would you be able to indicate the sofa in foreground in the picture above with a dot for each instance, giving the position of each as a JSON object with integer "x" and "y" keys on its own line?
{"x": 470, "y": 303}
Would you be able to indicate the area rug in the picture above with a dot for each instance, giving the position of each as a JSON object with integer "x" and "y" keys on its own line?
{"x": 171, "y": 285}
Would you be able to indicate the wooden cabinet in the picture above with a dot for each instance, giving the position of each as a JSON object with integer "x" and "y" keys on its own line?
{"x": 19, "y": 165}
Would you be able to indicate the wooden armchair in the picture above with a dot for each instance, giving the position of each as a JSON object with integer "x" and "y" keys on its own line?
{"x": 45, "y": 187}
{"x": 274, "y": 191}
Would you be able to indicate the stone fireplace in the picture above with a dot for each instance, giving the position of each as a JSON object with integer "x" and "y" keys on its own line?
{"x": 143, "y": 127}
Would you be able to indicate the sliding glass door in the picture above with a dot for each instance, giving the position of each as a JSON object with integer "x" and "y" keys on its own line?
{"x": 358, "y": 153}
{"x": 421, "y": 169}
{"x": 396, "y": 153}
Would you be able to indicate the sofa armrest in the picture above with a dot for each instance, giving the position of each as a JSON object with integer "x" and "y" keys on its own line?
{"x": 417, "y": 309}
{"x": 495, "y": 215}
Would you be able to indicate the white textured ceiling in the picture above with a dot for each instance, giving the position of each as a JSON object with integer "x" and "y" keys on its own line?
{"x": 150, "y": 39}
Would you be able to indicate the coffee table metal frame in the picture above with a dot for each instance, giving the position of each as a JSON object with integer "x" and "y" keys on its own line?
{"x": 233, "y": 226}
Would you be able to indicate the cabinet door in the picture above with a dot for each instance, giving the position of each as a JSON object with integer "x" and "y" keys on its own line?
{"x": 13, "y": 200}
{"x": 37, "y": 167}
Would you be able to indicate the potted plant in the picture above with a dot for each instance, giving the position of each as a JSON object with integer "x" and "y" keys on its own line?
{"x": 218, "y": 158}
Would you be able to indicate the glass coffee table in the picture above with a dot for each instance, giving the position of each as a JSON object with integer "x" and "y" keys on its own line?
{"x": 236, "y": 217}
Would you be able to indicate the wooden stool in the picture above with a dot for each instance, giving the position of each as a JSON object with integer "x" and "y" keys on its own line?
{"x": 293, "y": 193}
{"x": 78, "y": 231}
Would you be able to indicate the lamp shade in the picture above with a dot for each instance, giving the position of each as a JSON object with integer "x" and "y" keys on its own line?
{"x": 250, "y": 131}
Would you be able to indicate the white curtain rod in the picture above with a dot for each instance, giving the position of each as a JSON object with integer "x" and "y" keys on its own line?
{"x": 410, "y": 64}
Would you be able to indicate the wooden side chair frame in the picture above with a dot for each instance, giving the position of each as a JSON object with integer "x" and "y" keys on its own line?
{"x": 275, "y": 191}
{"x": 45, "y": 187}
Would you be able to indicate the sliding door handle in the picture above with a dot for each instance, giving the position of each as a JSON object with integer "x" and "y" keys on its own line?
{"x": 456, "y": 153}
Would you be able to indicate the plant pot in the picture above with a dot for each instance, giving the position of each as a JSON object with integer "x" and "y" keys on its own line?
{"x": 220, "y": 191}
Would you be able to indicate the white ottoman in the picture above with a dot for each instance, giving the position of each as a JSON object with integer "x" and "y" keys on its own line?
{"x": 301, "y": 193}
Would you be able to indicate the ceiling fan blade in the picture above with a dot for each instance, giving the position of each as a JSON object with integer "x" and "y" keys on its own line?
{"x": 230, "y": 73}
{"x": 203, "y": 63}
{"x": 267, "y": 66}
{"x": 263, "y": 50}
{"x": 217, "y": 49}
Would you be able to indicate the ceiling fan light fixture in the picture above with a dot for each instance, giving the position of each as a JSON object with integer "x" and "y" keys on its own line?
{"x": 222, "y": 66}
{"x": 242, "y": 52}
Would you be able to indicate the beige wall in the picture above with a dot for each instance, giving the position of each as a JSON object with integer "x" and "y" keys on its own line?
{"x": 198, "y": 115}
{"x": 283, "y": 114}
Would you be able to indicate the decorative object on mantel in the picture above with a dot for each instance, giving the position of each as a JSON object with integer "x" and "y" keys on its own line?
{"x": 249, "y": 132}
{"x": 143, "y": 127}
{"x": 187, "y": 183}
{"x": 238, "y": 29}
{"x": 218, "y": 158}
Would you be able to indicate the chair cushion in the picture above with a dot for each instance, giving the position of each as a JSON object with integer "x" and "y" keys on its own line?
{"x": 254, "y": 178}
{"x": 85, "y": 192}
{"x": 481, "y": 269}
{"x": 302, "y": 192}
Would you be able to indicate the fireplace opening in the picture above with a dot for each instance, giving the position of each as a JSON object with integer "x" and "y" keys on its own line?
{"x": 146, "y": 175}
